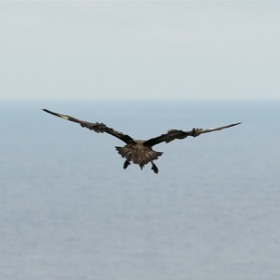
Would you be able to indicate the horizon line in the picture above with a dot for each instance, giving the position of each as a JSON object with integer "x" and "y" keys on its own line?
{"x": 137, "y": 100}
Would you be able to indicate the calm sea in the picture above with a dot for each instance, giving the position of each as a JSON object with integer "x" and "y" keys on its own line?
{"x": 69, "y": 211}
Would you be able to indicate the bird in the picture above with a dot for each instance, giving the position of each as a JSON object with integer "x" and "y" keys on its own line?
{"x": 140, "y": 151}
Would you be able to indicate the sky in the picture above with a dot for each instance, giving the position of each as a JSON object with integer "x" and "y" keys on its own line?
{"x": 93, "y": 50}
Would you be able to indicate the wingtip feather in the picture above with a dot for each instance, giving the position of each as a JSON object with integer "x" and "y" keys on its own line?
{"x": 237, "y": 123}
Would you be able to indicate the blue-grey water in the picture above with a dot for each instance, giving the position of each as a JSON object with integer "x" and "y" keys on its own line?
{"x": 69, "y": 211}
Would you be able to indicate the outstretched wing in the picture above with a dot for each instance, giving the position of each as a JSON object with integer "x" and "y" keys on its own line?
{"x": 174, "y": 134}
{"x": 97, "y": 127}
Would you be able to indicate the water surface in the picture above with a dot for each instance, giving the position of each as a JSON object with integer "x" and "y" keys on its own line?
{"x": 69, "y": 211}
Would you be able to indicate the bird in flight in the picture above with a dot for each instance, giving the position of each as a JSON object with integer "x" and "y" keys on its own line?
{"x": 140, "y": 151}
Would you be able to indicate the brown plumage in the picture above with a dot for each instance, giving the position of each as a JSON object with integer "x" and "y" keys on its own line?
{"x": 140, "y": 151}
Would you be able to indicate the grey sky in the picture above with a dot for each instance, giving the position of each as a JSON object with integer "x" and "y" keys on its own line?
{"x": 139, "y": 50}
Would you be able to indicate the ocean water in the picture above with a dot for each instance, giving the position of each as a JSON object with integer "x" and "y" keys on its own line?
{"x": 69, "y": 211}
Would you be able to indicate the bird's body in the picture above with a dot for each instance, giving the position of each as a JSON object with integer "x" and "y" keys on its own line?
{"x": 139, "y": 151}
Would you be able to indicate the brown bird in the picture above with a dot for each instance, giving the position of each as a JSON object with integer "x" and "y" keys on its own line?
{"x": 140, "y": 151}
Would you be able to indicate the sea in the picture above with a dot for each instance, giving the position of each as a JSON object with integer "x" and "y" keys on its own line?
{"x": 69, "y": 211}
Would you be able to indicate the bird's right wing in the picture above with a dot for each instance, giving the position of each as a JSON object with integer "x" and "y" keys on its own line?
{"x": 174, "y": 134}
{"x": 97, "y": 127}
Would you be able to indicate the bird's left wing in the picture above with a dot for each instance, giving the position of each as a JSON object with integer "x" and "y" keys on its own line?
{"x": 174, "y": 134}
{"x": 97, "y": 127}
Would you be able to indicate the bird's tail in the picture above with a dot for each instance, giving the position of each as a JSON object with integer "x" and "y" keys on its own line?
{"x": 121, "y": 151}
{"x": 138, "y": 157}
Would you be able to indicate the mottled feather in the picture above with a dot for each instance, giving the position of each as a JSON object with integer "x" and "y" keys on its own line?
{"x": 97, "y": 127}
{"x": 174, "y": 134}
